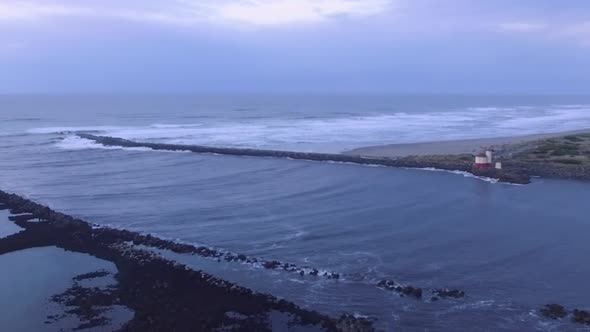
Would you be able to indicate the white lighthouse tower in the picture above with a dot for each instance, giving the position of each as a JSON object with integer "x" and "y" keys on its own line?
{"x": 490, "y": 156}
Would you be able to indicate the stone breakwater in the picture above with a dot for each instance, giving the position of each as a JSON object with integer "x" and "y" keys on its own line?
{"x": 450, "y": 163}
{"x": 169, "y": 296}
{"x": 403, "y": 290}
{"x": 166, "y": 296}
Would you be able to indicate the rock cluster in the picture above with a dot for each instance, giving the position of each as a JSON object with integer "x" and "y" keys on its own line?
{"x": 449, "y": 293}
{"x": 165, "y": 296}
{"x": 553, "y": 311}
{"x": 557, "y": 311}
{"x": 581, "y": 316}
{"x": 350, "y": 323}
{"x": 405, "y": 290}
{"x": 401, "y": 289}
{"x": 503, "y": 175}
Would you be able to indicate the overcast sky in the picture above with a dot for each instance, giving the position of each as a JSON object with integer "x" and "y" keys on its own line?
{"x": 202, "y": 46}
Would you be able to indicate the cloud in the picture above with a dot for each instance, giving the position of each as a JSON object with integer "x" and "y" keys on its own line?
{"x": 28, "y": 10}
{"x": 188, "y": 12}
{"x": 277, "y": 12}
{"x": 579, "y": 31}
{"x": 521, "y": 26}
{"x": 570, "y": 31}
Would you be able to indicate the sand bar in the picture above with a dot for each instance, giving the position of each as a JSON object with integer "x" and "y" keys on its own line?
{"x": 450, "y": 147}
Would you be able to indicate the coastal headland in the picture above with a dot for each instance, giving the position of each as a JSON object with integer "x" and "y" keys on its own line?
{"x": 565, "y": 155}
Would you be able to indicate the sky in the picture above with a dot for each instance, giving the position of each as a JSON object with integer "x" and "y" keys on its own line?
{"x": 295, "y": 46}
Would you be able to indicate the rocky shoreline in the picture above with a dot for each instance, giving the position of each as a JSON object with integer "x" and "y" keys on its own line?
{"x": 45, "y": 227}
{"x": 164, "y": 295}
{"x": 451, "y": 163}
{"x": 169, "y": 296}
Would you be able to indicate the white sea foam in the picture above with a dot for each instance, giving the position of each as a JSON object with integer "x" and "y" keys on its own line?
{"x": 164, "y": 126}
{"x": 335, "y": 134}
{"x": 61, "y": 130}
{"x": 463, "y": 173}
{"x": 73, "y": 142}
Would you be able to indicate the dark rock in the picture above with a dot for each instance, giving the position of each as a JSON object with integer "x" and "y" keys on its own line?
{"x": 553, "y": 311}
{"x": 23, "y": 218}
{"x": 387, "y": 284}
{"x": 92, "y": 275}
{"x": 403, "y": 290}
{"x": 581, "y": 316}
{"x": 412, "y": 291}
{"x": 503, "y": 175}
{"x": 350, "y": 323}
{"x": 445, "y": 293}
{"x": 434, "y": 299}
{"x": 271, "y": 264}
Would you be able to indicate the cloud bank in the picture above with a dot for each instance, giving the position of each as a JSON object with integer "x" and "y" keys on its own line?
{"x": 187, "y": 12}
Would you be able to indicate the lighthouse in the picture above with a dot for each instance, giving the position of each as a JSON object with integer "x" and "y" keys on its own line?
{"x": 484, "y": 160}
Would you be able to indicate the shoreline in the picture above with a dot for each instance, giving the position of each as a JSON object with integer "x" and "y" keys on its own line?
{"x": 164, "y": 295}
{"x": 452, "y": 163}
{"x": 452, "y": 147}
{"x": 563, "y": 155}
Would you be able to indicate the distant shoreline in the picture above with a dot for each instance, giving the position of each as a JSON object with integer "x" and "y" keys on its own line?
{"x": 451, "y": 147}
{"x": 450, "y": 162}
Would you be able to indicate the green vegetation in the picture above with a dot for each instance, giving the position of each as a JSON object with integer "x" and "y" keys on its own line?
{"x": 566, "y": 150}
{"x": 568, "y": 161}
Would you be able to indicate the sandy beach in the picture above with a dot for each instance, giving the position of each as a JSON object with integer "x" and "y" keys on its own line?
{"x": 450, "y": 147}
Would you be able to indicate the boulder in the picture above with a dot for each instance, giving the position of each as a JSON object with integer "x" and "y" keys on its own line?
{"x": 446, "y": 293}
{"x": 271, "y": 264}
{"x": 553, "y": 311}
{"x": 581, "y": 316}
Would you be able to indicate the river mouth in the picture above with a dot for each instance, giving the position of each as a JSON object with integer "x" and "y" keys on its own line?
{"x": 506, "y": 246}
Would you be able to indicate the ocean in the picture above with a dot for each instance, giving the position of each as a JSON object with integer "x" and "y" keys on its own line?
{"x": 512, "y": 248}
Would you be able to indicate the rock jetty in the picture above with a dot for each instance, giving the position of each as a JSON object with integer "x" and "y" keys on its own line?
{"x": 450, "y": 163}
{"x": 165, "y": 296}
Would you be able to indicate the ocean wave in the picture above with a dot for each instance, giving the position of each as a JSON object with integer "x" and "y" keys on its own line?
{"x": 74, "y": 142}
{"x": 336, "y": 134}
{"x": 68, "y": 130}
{"x": 463, "y": 173}
{"x": 172, "y": 126}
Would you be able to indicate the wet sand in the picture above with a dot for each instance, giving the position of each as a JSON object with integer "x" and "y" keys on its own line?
{"x": 466, "y": 146}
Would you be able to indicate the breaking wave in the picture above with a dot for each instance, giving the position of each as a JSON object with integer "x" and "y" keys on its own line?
{"x": 336, "y": 134}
